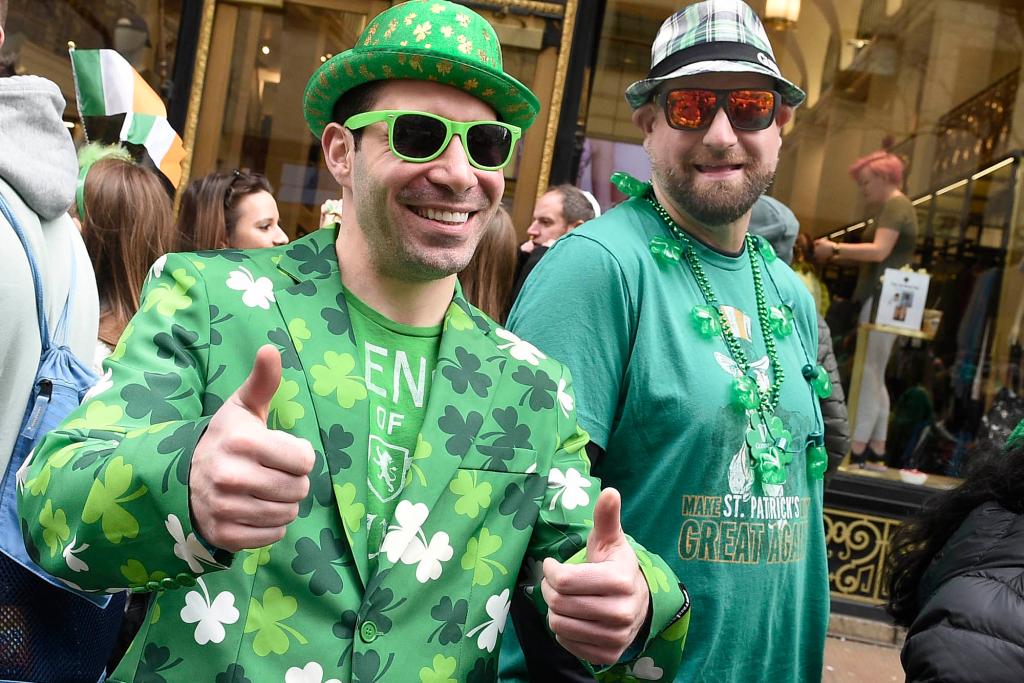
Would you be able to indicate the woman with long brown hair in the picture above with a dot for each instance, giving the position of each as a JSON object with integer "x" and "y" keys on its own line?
{"x": 127, "y": 225}
{"x": 487, "y": 279}
{"x": 229, "y": 210}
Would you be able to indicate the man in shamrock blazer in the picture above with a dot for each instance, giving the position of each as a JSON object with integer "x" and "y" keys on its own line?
{"x": 282, "y": 538}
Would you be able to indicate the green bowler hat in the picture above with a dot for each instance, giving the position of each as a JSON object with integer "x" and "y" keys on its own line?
{"x": 423, "y": 40}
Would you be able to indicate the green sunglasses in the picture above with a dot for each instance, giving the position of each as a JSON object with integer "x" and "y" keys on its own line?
{"x": 419, "y": 137}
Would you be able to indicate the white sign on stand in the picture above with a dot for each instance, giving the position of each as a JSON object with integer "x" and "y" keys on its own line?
{"x": 901, "y": 303}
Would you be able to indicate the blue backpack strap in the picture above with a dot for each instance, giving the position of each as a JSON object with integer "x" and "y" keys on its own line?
{"x": 37, "y": 280}
{"x": 60, "y": 334}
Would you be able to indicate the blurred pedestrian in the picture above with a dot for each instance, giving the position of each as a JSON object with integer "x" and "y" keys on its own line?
{"x": 233, "y": 210}
{"x": 888, "y": 242}
{"x": 487, "y": 280}
{"x": 127, "y": 226}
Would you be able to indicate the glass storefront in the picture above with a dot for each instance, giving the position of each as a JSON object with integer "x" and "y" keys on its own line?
{"x": 145, "y": 32}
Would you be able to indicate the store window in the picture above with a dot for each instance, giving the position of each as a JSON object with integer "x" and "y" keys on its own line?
{"x": 936, "y": 82}
{"x": 261, "y": 56}
{"x": 144, "y": 32}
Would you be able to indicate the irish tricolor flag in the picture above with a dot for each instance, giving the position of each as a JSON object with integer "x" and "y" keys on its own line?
{"x": 118, "y": 106}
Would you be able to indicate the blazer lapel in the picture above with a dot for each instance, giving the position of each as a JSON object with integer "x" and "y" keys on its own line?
{"x": 317, "y": 319}
{"x": 453, "y": 418}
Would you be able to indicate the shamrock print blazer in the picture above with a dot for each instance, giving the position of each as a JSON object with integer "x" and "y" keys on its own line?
{"x": 498, "y": 481}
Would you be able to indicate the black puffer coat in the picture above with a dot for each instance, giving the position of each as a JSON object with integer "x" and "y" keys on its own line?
{"x": 971, "y": 625}
{"x": 833, "y": 408}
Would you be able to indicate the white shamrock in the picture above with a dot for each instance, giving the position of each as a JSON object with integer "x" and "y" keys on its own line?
{"x": 259, "y": 292}
{"x": 570, "y": 488}
{"x": 646, "y": 670}
{"x": 188, "y": 549}
{"x": 497, "y": 609}
{"x": 157, "y": 269}
{"x": 211, "y": 616}
{"x": 403, "y": 542}
{"x": 104, "y": 383}
{"x": 72, "y": 560}
{"x": 519, "y": 349}
{"x": 565, "y": 401}
{"x": 436, "y": 552}
{"x": 311, "y": 673}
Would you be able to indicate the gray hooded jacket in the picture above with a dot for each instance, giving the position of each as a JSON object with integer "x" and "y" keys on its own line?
{"x": 38, "y": 172}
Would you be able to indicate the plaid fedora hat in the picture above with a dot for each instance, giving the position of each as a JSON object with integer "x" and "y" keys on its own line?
{"x": 709, "y": 37}
{"x": 424, "y": 40}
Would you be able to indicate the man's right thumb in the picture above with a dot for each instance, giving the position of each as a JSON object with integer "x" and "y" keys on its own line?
{"x": 261, "y": 384}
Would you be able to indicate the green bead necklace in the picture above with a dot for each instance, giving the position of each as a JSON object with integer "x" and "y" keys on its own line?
{"x": 767, "y": 439}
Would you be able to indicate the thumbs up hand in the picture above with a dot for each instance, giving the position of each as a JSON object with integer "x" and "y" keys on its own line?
{"x": 596, "y": 609}
{"x": 246, "y": 481}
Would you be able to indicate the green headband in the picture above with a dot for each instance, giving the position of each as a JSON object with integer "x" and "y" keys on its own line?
{"x": 89, "y": 155}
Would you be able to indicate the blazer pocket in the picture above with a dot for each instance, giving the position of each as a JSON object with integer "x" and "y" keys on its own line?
{"x": 500, "y": 459}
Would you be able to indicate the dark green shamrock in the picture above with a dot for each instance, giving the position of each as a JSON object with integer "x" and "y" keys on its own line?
{"x": 320, "y": 486}
{"x": 304, "y": 288}
{"x": 154, "y": 398}
{"x": 336, "y": 440}
{"x": 569, "y": 546}
{"x": 463, "y": 430}
{"x": 523, "y": 502}
{"x": 463, "y": 373}
{"x": 182, "y": 440}
{"x": 234, "y": 255}
{"x": 378, "y": 602}
{"x": 512, "y": 435}
{"x": 484, "y": 670}
{"x": 322, "y": 561}
{"x": 289, "y": 358}
{"x": 216, "y": 319}
{"x": 179, "y": 344}
{"x": 452, "y": 617}
{"x": 154, "y": 660}
{"x": 366, "y": 666}
{"x": 90, "y": 456}
{"x": 481, "y": 322}
{"x": 706, "y": 319}
{"x": 345, "y": 629}
{"x": 541, "y": 388}
{"x": 235, "y": 673}
{"x": 312, "y": 261}
{"x": 337, "y": 318}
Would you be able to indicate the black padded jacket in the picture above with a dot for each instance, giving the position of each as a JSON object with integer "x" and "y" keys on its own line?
{"x": 833, "y": 408}
{"x": 971, "y": 625}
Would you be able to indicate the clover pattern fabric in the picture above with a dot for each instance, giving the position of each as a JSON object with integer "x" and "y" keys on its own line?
{"x": 497, "y": 482}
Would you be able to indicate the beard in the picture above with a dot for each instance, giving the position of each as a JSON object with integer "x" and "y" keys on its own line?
{"x": 712, "y": 204}
{"x": 401, "y": 253}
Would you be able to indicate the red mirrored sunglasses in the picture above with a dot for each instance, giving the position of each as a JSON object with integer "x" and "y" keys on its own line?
{"x": 695, "y": 108}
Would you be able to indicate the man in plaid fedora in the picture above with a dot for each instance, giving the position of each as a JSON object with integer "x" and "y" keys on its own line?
{"x": 693, "y": 348}
{"x": 358, "y": 505}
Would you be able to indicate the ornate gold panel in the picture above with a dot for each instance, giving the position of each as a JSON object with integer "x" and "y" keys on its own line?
{"x": 857, "y": 546}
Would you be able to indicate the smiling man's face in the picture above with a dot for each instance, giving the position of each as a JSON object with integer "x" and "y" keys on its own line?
{"x": 422, "y": 221}
{"x": 716, "y": 174}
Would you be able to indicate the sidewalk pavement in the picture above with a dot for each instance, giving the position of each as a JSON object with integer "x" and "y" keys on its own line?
{"x": 851, "y": 661}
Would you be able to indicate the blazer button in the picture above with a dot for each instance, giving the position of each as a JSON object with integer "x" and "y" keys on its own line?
{"x": 168, "y": 583}
{"x": 368, "y": 632}
{"x": 154, "y": 586}
{"x": 186, "y": 580}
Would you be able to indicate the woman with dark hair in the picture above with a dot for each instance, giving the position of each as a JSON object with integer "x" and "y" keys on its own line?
{"x": 487, "y": 279}
{"x": 956, "y": 576}
{"x": 889, "y": 241}
{"x": 126, "y": 225}
{"x": 235, "y": 210}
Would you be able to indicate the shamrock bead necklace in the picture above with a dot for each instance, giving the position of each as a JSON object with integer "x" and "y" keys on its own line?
{"x": 767, "y": 438}
{"x": 745, "y": 389}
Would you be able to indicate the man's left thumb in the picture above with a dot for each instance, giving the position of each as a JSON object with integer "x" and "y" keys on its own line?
{"x": 607, "y": 534}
